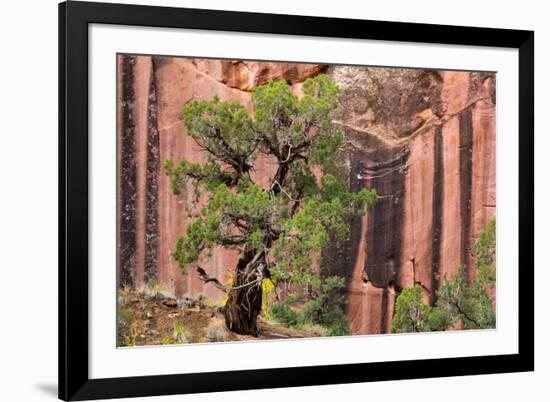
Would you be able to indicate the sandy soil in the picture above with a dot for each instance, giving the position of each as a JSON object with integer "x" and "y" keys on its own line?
{"x": 146, "y": 320}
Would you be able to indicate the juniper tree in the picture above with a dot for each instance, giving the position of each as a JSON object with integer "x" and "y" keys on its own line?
{"x": 278, "y": 228}
{"x": 470, "y": 303}
{"x": 458, "y": 301}
{"x": 411, "y": 313}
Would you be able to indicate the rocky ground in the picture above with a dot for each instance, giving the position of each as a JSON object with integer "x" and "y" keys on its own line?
{"x": 153, "y": 319}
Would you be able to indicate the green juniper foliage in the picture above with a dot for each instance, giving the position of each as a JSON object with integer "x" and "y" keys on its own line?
{"x": 411, "y": 314}
{"x": 325, "y": 310}
{"x": 285, "y": 223}
{"x": 457, "y": 300}
{"x": 285, "y": 315}
{"x": 470, "y": 303}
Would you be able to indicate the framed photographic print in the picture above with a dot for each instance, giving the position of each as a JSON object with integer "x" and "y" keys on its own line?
{"x": 258, "y": 200}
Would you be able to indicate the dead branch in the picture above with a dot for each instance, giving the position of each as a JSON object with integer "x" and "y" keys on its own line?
{"x": 203, "y": 276}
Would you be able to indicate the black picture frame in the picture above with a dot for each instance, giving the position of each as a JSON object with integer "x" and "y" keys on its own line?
{"x": 74, "y": 18}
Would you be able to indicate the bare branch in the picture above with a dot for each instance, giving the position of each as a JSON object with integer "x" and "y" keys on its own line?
{"x": 223, "y": 177}
{"x": 254, "y": 260}
{"x": 232, "y": 240}
{"x": 276, "y": 183}
{"x": 289, "y": 153}
{"x": 203, "y": 276}
{"x": 463, "y": 313}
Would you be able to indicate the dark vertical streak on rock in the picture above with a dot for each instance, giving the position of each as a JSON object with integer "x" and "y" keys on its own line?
{"x": 384, "y": 231}
{"x": 466, "y": 143}
{"x": 340, "y": 256}
{"x": 384, "y": 311}
{"x": 127, "y": 179}
{"x": 152, "y": 181}
{"x": 437, "y": 199}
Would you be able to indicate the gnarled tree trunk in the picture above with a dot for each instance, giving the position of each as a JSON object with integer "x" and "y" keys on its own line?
{"x": 244, "y": 302}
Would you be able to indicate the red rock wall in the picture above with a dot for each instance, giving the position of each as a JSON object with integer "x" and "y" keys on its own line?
{"x": 424, "y": 139}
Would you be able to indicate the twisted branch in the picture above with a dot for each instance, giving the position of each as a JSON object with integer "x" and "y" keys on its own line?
{"x": 203, "y": 276}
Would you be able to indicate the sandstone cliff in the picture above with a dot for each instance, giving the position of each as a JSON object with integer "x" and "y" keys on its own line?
{"x": 424, "y": 139}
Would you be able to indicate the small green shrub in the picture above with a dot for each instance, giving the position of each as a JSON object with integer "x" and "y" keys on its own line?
{"x": 336, "y": 322}
{"x": 324, "y": 311}
{"x": 327, "y": 309}
{"x": 293, "y": 298}
{"x": 285, "y": 315}
{"x": 411, "y": 313}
